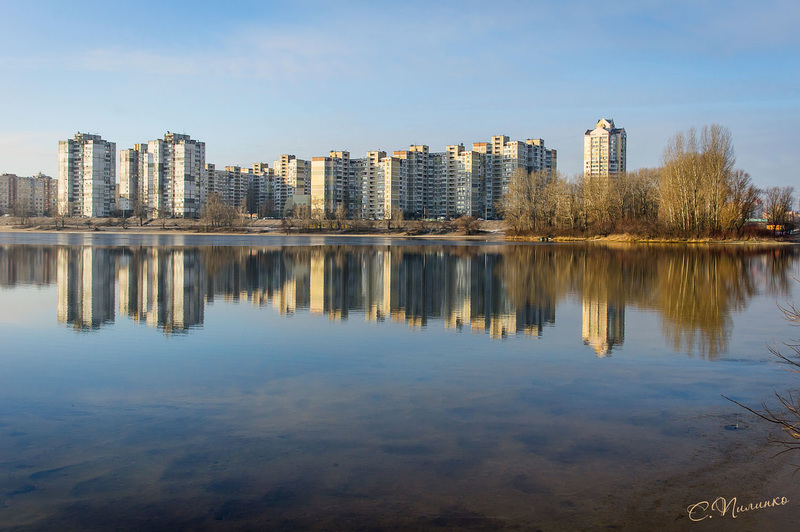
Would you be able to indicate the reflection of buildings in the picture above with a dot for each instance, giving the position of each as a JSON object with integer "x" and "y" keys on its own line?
{"x": 501, "y": 291}
{"x": 20, "y": 264}
{"x": 162, "y": 287}
{"x": 85, "y": 281}
{"x": 168, "y": 288}
{"x": 603, "y": 325}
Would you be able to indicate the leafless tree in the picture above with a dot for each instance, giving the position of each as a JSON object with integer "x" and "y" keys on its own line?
{"x": 139, "y": 210}
{"x": 397, "y": 217}
{"x": 468, "y": 224}
{"x": 22, "y": 211}
{"x": 696, "y": 180}
{"x": 742, "y": 197}
{"x": 217, "y": 213}
{"x": 526, "y": 205}
{"x": 778, "y": 205}
{"x": 341, "y": 215}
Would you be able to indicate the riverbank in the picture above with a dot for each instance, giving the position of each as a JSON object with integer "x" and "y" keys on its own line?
{"x": 633, "y": 239}
{"x": 486, "y": 230}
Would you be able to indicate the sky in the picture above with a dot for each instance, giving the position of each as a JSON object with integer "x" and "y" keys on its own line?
{"x": 256, "y": 79}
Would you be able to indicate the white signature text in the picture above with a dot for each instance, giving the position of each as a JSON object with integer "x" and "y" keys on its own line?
{"x": 724, "y": 507}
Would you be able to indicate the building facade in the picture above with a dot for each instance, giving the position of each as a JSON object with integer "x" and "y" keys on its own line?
{"x": 169, "y": 178}
{"x": 86, "y": 176}
{"x": 132, "y": 166}
{"x": 604, "y": 150}
{"x": 28, "y": 196}
{"x": 173, "y": 179}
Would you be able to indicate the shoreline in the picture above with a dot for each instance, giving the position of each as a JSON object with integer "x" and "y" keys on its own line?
{"x": 492, "y": 232}
{"x": 491, "y": 237}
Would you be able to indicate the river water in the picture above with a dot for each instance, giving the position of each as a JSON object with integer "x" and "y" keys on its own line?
{"x": 291, "y": 383}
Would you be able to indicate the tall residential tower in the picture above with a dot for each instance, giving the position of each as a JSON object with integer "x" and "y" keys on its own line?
{"x": 604, "y": 150}
{"x": 86, "y": 176}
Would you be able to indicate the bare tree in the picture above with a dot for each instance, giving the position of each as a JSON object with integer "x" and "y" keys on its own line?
{"x": 696, "y": 180}
{"x": 526, "y": 205}
{"x": 341, "y": 215}
{"x": 139, "y": 210}
{"x": 397, "y": 217}
{"x": 778, "y": 205}
{"x": 602, "y": 203}
{"x": 303, "y": 217}
{"x": 717, "y": 158}
{"x": 217, "y": 213}
{"x": 638, "y": 191}
{"x": 22, "y": 211}
{"x": 468, "y": 224}
{"x": 742, "y": 198}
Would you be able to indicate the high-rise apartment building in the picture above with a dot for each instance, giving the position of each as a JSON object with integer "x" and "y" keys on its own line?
{"x": 292, "y": 176}
{"x": 86, "y": 176}
{"x": 263, "y": 185}
{"x": 424, "y": 184}
{"x": 173, "y": 179}
{"x": 8, "y": 192}
{"x": 604, "y": 150}
{"x": 392, "y": 174}
{"x": 416, "y": 175}
{"x": 504, "y": 157}
{"x": 132, "y": 166}
{"x": 470, "y": 184}
{"x": 332, "y": 183}
{"x": 369, "y": 198}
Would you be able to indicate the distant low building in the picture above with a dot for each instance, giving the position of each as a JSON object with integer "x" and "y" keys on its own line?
{"x": 29, "y": 196}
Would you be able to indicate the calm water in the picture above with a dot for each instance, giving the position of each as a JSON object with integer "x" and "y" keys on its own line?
{"x": 245, "y": 383}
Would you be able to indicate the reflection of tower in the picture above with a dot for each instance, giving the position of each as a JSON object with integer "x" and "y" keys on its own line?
{"x": 129, "y": 280}
{"x": 603, "y": 325}
{"x": 285, "y": 300}
{"x": 531, "y": 317}
{"x": 492, "y": 309}
{"x": 377, "y": 280}
{"x": 457, "y": 312}
{"x": 316, "y": 276}
{"x": 85, "y": 281}
{"x": 172, "y": 288}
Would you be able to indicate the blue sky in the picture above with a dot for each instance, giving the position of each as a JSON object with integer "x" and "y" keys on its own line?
{"x": 257, "y": 79}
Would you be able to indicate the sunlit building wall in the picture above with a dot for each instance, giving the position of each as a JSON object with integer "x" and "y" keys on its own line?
{"x": 392, "y": 173}
{"x": 604, "y": 150}
{"x": 132, "y": 164}
{"x": 331, "y": 183}
{"x": 371, "y": 183}
{"x": 86, "y": 176}
{"x": 175, "y": 176}
{"x": 470, "y": 184}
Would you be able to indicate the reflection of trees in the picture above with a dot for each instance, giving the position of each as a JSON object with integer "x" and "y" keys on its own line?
{"x": 699, "y": 289}
{"x": 696, "y": 304}
{"x": 694, "y": 289}
{"x": 776, "y": 263}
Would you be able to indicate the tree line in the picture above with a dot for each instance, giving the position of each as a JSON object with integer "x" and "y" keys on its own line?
{"x": 696, "y": 192}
